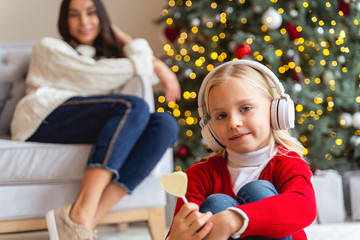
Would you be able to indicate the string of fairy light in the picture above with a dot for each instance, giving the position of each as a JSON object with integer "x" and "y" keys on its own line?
{"x": 184, "y": 54}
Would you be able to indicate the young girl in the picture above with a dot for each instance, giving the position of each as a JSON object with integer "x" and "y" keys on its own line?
{"x": 72, "y": 97}
{"x": 257, "y": 186}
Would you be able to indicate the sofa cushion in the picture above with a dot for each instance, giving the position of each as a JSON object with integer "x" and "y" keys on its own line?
{"x": 34, "y": 200}
{"x": 31, "y": 162}
{"x": 14, "y": 63}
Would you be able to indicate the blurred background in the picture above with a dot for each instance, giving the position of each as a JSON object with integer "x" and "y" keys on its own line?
{"x": 22, "y": 21}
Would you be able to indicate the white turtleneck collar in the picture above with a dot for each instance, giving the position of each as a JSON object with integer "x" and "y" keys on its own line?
{"x": 244, "y": 168}
{"x": 251, "y": 159}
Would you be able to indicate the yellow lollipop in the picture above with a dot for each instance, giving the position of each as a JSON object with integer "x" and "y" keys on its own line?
{"x": 175, "y": 184}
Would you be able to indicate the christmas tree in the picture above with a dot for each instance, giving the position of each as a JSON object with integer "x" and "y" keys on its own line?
{"x": 312, "y": 46}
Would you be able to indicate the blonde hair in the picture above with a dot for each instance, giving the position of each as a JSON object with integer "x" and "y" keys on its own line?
{"x": 267, "y": 87}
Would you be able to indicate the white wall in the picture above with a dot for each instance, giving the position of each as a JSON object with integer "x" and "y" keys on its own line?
{"x": 30, "y": 20}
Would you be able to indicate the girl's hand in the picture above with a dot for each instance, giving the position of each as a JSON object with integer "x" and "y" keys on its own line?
{"x": 225, "y": 223}
{"x": 168, "y": 80}
{"x": 120, "y": 35}
{"x": 189, "y": 223}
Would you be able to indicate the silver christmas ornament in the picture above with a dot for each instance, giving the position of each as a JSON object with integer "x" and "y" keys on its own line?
{"x": 320, "y": 30}
{"x": 345, "y": 120}
{"x": 195, "y": 22}
{"x": 290, "y": 53}
{"x": 177, "y": 15}
{"x": 294, "y": 13}
{"x": 188, "y": 72}
{"x": 272, "y": 19}
{"x": 341, "y": 59}
{"x": 357, "y": 6}
{"x": 327, "y": 76}
{"x": 296, "y": 88}
{"x": 229, "y": 10}
{"x": 355, "y": 140}
{"x": 356, "y": 120}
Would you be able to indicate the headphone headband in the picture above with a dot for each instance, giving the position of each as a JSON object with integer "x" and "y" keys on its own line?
{"x": 258, "y": 66}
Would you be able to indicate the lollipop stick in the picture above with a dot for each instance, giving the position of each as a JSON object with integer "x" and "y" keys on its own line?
{"x": 184, "y": 199}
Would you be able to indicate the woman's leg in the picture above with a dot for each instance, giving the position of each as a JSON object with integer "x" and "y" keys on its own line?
{"x": 255, "y": 191}
{"x": 114, "y": 144}
{"x": 84, "y": 208}
{"x": 161, "y": 132}
{"x": 112, "y": 194}
{"x": 113, "y": 123}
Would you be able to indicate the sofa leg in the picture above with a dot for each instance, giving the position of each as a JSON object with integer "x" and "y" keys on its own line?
{"x": 122, "y": 227}
{"x": 156, "y": 223}
{"x": 32, "y": 224}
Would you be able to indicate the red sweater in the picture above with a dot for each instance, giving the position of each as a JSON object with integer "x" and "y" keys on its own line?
{"x": 274, "y": 217}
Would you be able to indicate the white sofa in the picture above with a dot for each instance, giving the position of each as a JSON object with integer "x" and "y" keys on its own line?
{"x": 37, "y": 177}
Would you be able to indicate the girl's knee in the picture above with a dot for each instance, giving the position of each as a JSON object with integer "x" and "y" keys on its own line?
{"x": 217, "y": 202}
{"x": 216, "y": 197}
{"x": 256, "y": 190}
{"x": 259, "y": 184}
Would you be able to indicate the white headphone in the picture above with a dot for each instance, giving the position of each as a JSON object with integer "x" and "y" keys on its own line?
{"x": 282, "y": 109}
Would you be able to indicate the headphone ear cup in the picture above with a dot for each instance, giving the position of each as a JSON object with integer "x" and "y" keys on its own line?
{"x": 210, "y": 138}
{"x": 282, "y": 114}
{"x": 273, "y": 114}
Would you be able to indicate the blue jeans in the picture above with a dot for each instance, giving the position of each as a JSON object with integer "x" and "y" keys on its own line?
{"x": 127, "y": 139}
{"x": 250, "y": 192}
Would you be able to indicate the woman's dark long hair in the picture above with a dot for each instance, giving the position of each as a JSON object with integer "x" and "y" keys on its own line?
{"x": 106, "y": 44}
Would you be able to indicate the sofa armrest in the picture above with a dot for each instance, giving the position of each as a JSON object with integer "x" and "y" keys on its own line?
{"x": 140, "y": 86}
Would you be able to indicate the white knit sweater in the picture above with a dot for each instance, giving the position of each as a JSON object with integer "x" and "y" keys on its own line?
{"x": 57, "y": 72}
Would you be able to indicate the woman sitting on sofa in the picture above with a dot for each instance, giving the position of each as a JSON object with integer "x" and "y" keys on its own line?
{"x": 73, "y": 96}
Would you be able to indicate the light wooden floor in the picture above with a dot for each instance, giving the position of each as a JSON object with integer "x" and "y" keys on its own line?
{"x": 136, "y": 231}
{"x": 139, "y": 231}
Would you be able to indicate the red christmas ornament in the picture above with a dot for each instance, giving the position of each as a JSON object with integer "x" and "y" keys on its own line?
{"x": 298, "y": 77}
{"x": 172, "y": 33}
{"x": 293, "y": 33}
{"x": 183, "y": 152}
{"x": 242, "y": 50}
{"x": 344, "y": 6}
